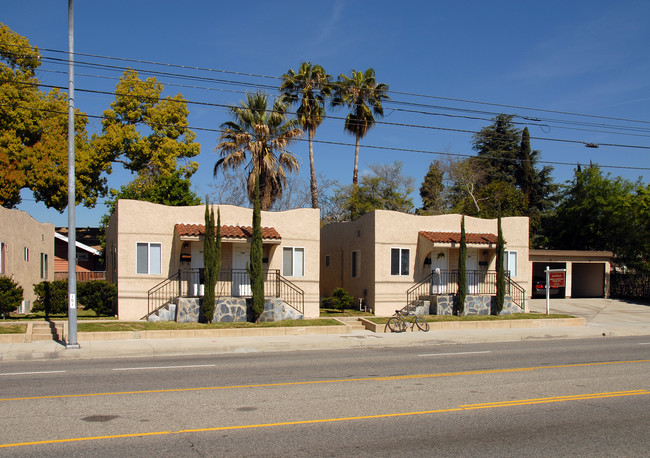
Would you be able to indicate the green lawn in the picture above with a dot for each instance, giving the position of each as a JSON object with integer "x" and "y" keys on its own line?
{"x": 39, "y": 316}
{"x": 514, "y": 316}
{"x": 172, "y": 325}
{"x": 12, "y": 328}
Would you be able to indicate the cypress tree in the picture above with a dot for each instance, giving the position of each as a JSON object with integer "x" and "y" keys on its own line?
{"x": 462, "y": 269}
{"x": 210, "y": 266}
{"x": 501, "y": 273}
{"x": 255, "y": 266}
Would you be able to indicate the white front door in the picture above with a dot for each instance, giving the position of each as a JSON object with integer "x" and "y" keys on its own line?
{"x": 196, "y": 264}
{"x": 471, "y": 266}
{"x": 440, "y": 278}
{"x": 241, "y": 282}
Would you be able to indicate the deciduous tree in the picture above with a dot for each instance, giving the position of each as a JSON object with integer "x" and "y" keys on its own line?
{"x": 385, "y": 189}
{"x": 145, "y": 132}
{"x": 34, "y": 134}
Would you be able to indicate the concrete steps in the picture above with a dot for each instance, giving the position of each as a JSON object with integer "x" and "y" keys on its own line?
{"x": 353, "y": 323}
{"x": 47, "y": 330}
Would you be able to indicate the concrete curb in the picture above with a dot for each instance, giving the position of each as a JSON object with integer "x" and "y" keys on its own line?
{"x": 298, "y": 330}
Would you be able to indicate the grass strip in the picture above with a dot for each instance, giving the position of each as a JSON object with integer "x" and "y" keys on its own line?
{"x": 513, "y": 316}
{"x": 172, "y": 325}
{"x": 12, "y": 328}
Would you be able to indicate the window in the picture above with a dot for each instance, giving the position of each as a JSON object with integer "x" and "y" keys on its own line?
{"x": 293, "y": 262}
{"x": 327, "y": 261}
{"x": 356, "y": 263}
{"x": 2, "y": 258}
{"x": 26, "y": 254}
{"x": 510, "y": 262}
{"x": 149, "y": 258}
{"x": 44, "y": 266}
{"x": 400, "y": 259}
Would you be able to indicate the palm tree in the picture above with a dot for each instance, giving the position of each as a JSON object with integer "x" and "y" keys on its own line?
{"x": 363, "y": 96}
{"x": 309, "y": 87}
{"x": 258, "y": 137}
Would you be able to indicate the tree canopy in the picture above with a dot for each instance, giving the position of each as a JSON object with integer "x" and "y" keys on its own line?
{"x": 164, "y": 137}
{"x": 386, "y": 188}
{"x": 601, "y": 212}
{"x": 363, "y": 96}
{"x": 34, "y": 134}
{"x": 309, "y": 88}
{"x": 258, "y": 138}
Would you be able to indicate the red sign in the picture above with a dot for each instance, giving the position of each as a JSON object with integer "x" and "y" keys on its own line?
{"x": 556, "y": 279}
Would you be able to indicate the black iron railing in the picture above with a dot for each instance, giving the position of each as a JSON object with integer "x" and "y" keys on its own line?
{"x": 231, "y": 282}
{"x": 480, "y": 282}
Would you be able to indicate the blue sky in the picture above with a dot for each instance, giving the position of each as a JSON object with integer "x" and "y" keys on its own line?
{"x": 584, "y": 57}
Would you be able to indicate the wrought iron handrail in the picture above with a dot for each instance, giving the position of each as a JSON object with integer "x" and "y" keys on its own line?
{"x": 231, "y": 282}
{"x": 478, "y": 282}
{"x": 164, "y": 292}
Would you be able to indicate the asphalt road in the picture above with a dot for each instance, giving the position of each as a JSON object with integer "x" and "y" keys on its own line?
{"x": 571, "y": 397}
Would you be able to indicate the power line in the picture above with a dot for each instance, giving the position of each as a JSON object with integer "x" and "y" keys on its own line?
{"x": 255, "y": 75}
{"x": 375, "y": 147}
{"x": 445, "y": 129}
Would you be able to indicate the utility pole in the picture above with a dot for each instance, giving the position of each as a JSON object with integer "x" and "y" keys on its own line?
{"x": 71, "y": 338}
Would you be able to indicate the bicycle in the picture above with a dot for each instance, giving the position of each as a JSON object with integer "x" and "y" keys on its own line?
{"x": 401, "y": 321}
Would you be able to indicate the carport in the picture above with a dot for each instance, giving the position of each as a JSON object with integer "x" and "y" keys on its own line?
{"x": 587, "y": 272}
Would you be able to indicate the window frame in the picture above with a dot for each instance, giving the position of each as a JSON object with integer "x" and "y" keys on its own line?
{"x": 2, "y": 258}
{"x": 44, "y": 267}
{"x": 400, "y": 267}
{"x": 355, "y": 264}
{"x": 149, "y": 258}
{"x": 293, "y": 250}
{"x": 506, "y": 261}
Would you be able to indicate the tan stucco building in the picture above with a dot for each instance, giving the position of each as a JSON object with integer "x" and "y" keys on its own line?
{"x": 26, "y": 251}
{"x": 378, "y": 257}
{"x": 148, "y": 243}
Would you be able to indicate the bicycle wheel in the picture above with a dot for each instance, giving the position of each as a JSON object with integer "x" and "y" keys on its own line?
{"x": 421, "y": 324}
{"x": 396, "y": 325}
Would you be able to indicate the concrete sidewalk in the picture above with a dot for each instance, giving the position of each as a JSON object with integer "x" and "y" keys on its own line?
{"x": 604, "y": 318}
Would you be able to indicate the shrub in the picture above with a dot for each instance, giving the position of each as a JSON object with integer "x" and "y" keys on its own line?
{"x": 11, "y": 295}
{"x": 97, "y": 295}
{"x": 339, "y": 300}
{"x": 51, "y": 297}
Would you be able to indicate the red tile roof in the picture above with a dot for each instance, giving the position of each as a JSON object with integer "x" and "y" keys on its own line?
{"x": 227, "y": 232}
{"x": 454, "y": 237}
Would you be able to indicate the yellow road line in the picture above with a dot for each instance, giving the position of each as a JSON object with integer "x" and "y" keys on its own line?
{"x": 316, "y": 382}
{"x": 461, "y": 408}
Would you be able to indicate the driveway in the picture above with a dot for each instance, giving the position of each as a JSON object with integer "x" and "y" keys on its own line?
{"x": 622, "y": 317}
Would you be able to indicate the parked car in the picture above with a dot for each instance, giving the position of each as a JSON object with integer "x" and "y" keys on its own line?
{"x": 539, "y": 288}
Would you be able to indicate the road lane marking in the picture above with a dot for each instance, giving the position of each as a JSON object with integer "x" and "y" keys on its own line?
{"x": 644, "y": 343}
{"x": 317, "y": 382}
{"x": 34, "y": 373}
{"x": 461, "y": 408}
{"x": 457, "y": 353}
{"x": 148, "y": 368}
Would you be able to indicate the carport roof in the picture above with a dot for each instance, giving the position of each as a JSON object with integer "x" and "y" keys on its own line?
{"x": 454, "y": 237}
{"x": 534, "y": 255}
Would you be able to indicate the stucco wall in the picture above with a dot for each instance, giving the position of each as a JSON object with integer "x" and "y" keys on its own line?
{"x": 136, "y": 221}
{"x": 18, "y": 230}
{"x": 376, "y": 233}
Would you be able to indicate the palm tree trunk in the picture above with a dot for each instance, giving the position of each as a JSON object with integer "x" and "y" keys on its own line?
{"x": 355, "y": 176}
{"x": 312, "y": 170}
